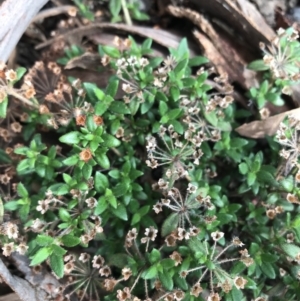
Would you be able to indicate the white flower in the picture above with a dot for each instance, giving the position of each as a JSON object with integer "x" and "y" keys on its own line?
{"x": 217, "y": 235}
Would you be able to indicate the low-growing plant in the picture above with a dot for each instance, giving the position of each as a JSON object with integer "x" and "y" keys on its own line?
{"x": 143, "y": 190}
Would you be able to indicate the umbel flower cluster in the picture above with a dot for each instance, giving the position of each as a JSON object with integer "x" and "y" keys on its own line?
{"x": 94, "y": 210}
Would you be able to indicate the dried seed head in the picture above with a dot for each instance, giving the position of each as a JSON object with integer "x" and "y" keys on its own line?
{"x": 86, "y": 155}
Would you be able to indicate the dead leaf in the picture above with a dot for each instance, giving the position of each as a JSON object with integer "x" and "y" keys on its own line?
{"x": 162, "y": 37}
{"x": 212, "y": 53}
{"x": 10, "y": 297}
{"x": 223, "y": 50}
{"x": 267, "y": 127}
{"x": 243, "y": 17}
{"x": 87, "y": 60}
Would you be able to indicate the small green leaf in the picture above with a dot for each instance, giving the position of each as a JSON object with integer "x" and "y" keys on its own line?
{"x": 101, "y": 182}
{"x": 115, "y": 7}
{"x": 175, "y": 93}
{"x": 41, "y": 255}
{"x": 70, "y": 240}
{"x": 150, "y": 273}
{"x": 102, "y": 160}
{"x": 101, "y": 206}
{"x": 112, "y": 87}
{"x": 44, "y": 240}
{"x": 197, "y": 61}
{"x": 20, "y": 72}
{"x": 268, "y": 270}
{"x": 110, "y": 141}
{"x": 238, "y": 142}
{"x": 166, "y": 280}
{"x": 163, "y": 108}
{"x": 119, "y": 108}
{"x": 154, "y": 256}
{"x": 120, "y": 189}
{"x": 71, "y": 161}
{"x": 120, "y": 212}
{"x": 64, "y": 215}
{"x": 70, "y": 138}
{"x": 87, "y": 171}
{"x": 57, "y": 265}
{"x": 3, "y": 107}
{"x": 22, "y": 191}
{"x": 243, "y": 168}
{"x": 169, "y": 224}
{"x": 290, "y": 249}
{"x": 258, "y": 65}
{"x": 111, "y": 51}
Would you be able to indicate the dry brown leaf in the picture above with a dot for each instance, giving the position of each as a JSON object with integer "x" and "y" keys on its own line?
{"x": 243, "y": 17}
{"x": 10, "y": 297}
{"x": 162, "y": 37}
{"x": 267, "y": 127}
{"x": 234, "y": 62}
{"x": 87, "y": 60}
{"x": 212, "y": 53}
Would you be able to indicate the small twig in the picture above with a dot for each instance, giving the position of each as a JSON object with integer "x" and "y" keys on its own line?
{"x": 51, "y": 12}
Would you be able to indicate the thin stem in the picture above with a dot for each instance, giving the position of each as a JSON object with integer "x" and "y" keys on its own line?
{"x": 126, "y": 12}
{"x": 12, "y": 92}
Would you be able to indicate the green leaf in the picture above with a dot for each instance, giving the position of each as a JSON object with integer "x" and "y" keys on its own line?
{"x": 182, "y": 49}
{"x": 87, "y": 171}
{"x": 64, "y": 215}
{"x": 268, "y": 270}
{"x": 169, "y": 224}
{"x": 120, "y": 212}
{"x": 70, "y": 240}
{"x": 236, "y": 294}
{"x": 3, "y": 107}
{"x": 154, "y": 256}
{"x": 197, "y": 61}
{"x": 120, "y": 189}
{"x": 119, "y": 107}
{"x": 102, "y": 105}
{"x": 70, "y": 138}
{"x": 58, "y": 250}
{"x": 266, "y": 177}
{"x": 251, "y": 178}
{"x": 112, "y": 87}
{"x": 57, "y": 265}
{"x": 20, "y": 72}
{"x": 243, "y": 168}
{"x": 44, "y": 240}
{"x": 98, "y": 93}
{"x": 175, "y": 93}
{"x": 110, "y": 141}
{"x": 167, "y": 263}
{"x": 238, "y": 142}
{"x": 101, "y": 206}
{"x": 111, "y": 51}
{"x": 102, "y": 160}
{"x": 287, "y": 184}
{"x": 258, "y": 65}
{"x": 290, "y": 249}
{"x": 22, "y": 191}
{"x": 166, "y": 280}
{"x": 41, "y": 255}
{"x": 150, "y": 273}
{"x": 101, "y": 182}
{"x": 115, "y": 7}
{"x": 71, "y": 161}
